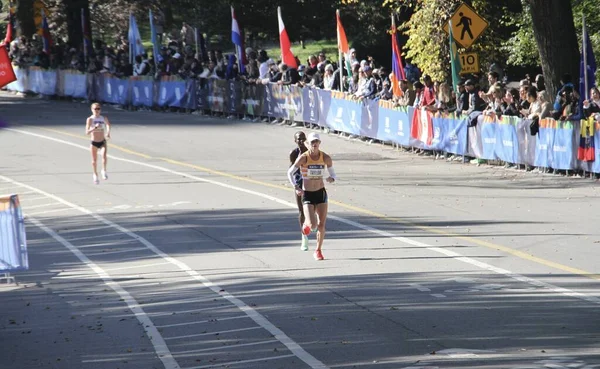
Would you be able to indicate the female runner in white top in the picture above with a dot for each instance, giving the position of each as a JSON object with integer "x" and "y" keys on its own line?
{"x": 98, "y": 127}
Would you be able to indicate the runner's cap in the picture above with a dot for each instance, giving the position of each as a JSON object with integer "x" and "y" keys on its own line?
{"x": 313, "y": 136}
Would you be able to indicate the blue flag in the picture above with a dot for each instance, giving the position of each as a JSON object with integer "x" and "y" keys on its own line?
{"x": 589, "y": 63}
{"x": 155, "y": 51}
{"x": 135, "y": 40}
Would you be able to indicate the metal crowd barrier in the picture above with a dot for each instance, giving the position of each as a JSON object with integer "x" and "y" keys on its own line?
{"x": 13, "y": 241}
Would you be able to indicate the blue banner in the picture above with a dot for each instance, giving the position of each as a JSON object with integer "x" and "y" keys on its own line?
{"x": 234, "y": 100}
{"x": 507, "y": 142}
{"x": 393, "y": 125}
{"x": 370, "y": 118}
{"x": 489, "y": 138}
{"x": 42, "y": 81}
{"x": 449, "y": 135}
{"x": 324, "y": 97}
{"x": 544, "y": 144}
{"x": 596, "y": 163}
{"x": 142, "y": 89}
{"x": 75, "y": 84}
{"x": 310, "y": 100}
{"x": 563, "y": 156}
{"x": 344, "y": 115}
{"x": 115, "y": 90}
{"x": 170, "y": 92}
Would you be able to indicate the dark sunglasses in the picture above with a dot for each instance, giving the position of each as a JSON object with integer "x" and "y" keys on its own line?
{"x": 96, "y": 108}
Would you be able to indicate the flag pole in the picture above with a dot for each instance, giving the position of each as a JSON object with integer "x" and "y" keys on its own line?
{"x": 341, "y": 62}
{"x": 585, "y": 71}
{"x": 196, "y": 41}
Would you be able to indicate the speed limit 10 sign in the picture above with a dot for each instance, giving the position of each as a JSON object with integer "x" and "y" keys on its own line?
{"x": 469, "y": 63}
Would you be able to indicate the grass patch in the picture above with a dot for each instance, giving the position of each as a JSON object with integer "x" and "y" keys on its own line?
{"x": 329, "y": 47}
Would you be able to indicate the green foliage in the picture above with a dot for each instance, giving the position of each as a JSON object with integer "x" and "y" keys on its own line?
{"x": 521, "y": 47}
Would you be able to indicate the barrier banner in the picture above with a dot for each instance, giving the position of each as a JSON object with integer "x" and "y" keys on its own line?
{"x": 370, "y": 118}
{"x": 234, "y": 100}
{"x": 217, "y": 94}
{"x": 20, "y": 85}
{"x": 544, "y": 144}
{"x": 527, "y": 142}
{"x": 294, "y": 105}
{"x": 183, "y": 96}
{"x": 344, "y": 115}
{"x": 74, "y": 84}
{"x": 13, "y": 242}
{"x": 115, "y": 90}
{"x": 393, "y": 124}
{"x": 324, "y": 103}
{"x": 93, "y": 87}
{"x": 42, "y": 81}
{"x": 202, "y": 95}
{"x": 310, "y": 109}
{"x": 142, "y": 91}
{"x": 449, "y": 134}
{"x": 488, "y": 130}
{"x": 595, "y": 165}
{"x": 252, "y": 99}
{"x": 563, "y": 155}
{"x": 277, "y": 101}
{"x": 170, "y": 91}
{"x": 507, "y": 142}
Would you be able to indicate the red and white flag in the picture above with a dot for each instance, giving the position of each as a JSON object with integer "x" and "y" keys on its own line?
{"x": 422, "y": 126}
{"x": 287, "y": 56}
{"x": 7, "y": 74}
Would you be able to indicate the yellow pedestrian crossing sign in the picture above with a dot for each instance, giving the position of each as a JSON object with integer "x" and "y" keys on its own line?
{"x": 467, "y": 25}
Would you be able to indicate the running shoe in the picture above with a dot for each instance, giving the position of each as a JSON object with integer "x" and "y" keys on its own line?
{"x": 96, "y": 181}
{"x": 104, "y": 175}
{"x": 304, "y": 246}
{"x": 318, "y": 255}
{"x": 314, "y": 230}
{"x": 306, "y": 229}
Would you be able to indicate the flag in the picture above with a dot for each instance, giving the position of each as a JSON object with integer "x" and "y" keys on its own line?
{"x": 155, "y": 51}
{"x": 343, "y": 47}
{"x": 7, "y": 74}
{"x": 9, "y": 28}
{"x": 135, "y": 41}
{"x": 587, "y": 150}
{"x": 454, "y": 60}
{"x": 87, "y": 39}
{"x": 287, "y": 56}
{"x": 422, "y": 126}
{"x": 238, "y": 41}
{"x": 587, "y": 66}
{"x": 46, "y": 38}
{"x": 397, "y": 68}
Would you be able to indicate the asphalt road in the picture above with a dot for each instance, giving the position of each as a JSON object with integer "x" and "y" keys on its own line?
{"x": 188, "y": 256}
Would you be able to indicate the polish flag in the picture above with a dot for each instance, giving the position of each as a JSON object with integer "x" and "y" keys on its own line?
{"x": 284, "y": 42}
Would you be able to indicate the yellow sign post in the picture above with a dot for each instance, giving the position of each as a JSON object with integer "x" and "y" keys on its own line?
{"x": 469, "y": 63}
{"x": 467, "y": 25}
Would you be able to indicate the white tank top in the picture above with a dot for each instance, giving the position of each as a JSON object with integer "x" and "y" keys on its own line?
{"x": 100, "y": 122}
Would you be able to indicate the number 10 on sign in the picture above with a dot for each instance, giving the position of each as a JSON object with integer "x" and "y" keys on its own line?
{"x": 469, "y": 63}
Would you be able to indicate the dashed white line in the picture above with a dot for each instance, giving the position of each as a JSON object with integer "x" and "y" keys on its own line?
{"x": 202, "y": 321}
{"x": 212, "y": 333}
{"x": 195, "y": 352}
{"x": 229, "y": 364}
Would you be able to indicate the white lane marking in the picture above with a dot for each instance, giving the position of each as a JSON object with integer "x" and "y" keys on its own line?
{"x": 294, "y": 347}
{"x": 139, "y": 266}
{"x": 202, "y": 321}
{"x": 212, "y": 333}
{"x": 105, "y": 235}
{"x": 438, "y": 295}
{"x": 27, "y": 208}
{"x": 116, "y": 252}
{"x": 45, "y": 212}
{"x": 160, "y": 346}
{"x": 229, "y": 364}
{"x": 419, "y": 287}
{"x": 224, "y": 347}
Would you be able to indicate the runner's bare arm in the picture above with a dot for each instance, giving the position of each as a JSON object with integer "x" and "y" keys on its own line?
{"x": 329, "y": 163}
{"x": 88, "y": 126}
{"x": 107, "y": 122}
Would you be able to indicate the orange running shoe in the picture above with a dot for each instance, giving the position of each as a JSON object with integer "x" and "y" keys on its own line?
{"x": 319, "y": 255}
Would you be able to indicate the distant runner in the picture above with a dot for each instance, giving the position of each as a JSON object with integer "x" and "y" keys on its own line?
{"x": 300, "y": 140}
{"x": 314, "y": 196}
{"x": 98, "y": 127}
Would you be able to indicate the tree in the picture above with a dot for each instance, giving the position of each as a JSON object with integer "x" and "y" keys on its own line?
{"x": 556, "y": 39}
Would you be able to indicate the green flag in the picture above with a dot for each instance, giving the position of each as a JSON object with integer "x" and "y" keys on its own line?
{"x": 454, "y": 59}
